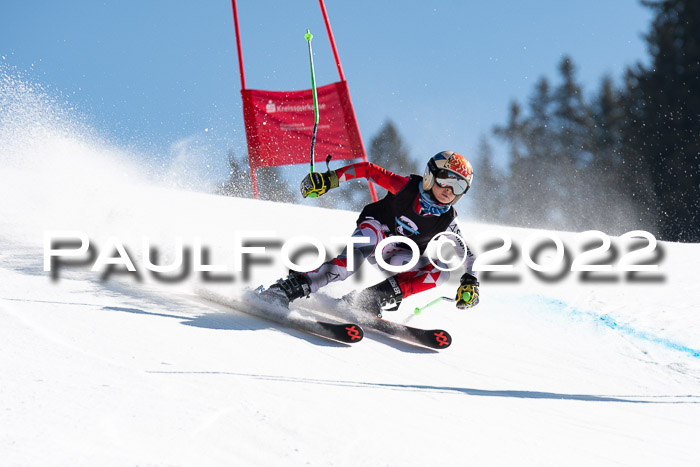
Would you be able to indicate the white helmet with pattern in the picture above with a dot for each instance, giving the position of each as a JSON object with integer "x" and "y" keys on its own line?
{"x": 447, "y": 168}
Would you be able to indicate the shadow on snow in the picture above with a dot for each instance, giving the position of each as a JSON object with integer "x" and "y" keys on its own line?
{"x": 663, "y": 399}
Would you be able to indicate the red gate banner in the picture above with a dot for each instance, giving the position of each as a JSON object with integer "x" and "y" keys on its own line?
{"x": 279, "y": 126}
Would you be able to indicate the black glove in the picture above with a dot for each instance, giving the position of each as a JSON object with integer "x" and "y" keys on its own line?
{"x": 317, "y": 183}
{"x": 468, "y": 292}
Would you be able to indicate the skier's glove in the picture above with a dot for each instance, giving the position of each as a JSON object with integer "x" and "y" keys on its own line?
{"x": 317, "y": 183}
{"x": 468, "y": 292}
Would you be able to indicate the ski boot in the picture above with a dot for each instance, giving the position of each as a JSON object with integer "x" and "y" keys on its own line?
{"x": 296, "y": 285}
{"x": 384, "y": 296}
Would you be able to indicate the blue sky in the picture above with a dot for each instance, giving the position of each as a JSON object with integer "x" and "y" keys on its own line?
{"x": 150, "y": 75}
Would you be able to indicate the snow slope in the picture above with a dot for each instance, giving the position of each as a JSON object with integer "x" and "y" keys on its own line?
{"x": 125, "y": 370}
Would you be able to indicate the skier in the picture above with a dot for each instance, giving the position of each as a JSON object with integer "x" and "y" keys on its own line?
{"x": 417, "y": 208}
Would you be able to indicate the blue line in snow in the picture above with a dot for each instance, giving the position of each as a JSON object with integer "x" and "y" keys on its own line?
{"x": 610, "y": 322}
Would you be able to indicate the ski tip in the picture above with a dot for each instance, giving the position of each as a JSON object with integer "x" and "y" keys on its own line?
{"x": 441, "y": 339}
{"x": 353, "y": 332}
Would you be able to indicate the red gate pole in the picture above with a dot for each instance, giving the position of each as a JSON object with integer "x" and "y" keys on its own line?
{"x": 330, "y": 36}
{"x": 372, "y": 191}
{"x": 253, "y": 174}
{"x": 238, "y": 43}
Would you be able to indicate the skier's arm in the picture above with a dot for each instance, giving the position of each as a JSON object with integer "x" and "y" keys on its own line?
{"x": 318, "y": 183}
{"x": 461, "y": 248}
{"x": 379, "y": 175}
{"x": 468, "y": 291}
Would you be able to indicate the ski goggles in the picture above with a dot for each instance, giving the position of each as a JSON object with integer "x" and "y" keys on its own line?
{"x": 458, "y": 184}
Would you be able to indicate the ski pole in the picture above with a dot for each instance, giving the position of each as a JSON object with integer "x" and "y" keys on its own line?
{"x": 308, "y": 36}
{"x": 419, "y": 309}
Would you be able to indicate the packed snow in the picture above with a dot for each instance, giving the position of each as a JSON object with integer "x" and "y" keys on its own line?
{"x": 111, "y": 367}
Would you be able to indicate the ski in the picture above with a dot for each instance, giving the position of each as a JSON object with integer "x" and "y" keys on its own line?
{"x": 251, "y": 304}
{"x": 432, "y": 338}
{"x": 343, "y": 332}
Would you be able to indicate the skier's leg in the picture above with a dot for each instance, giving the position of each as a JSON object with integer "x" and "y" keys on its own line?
{"x": 337, "y": 268}
{"x": 424, "y": 276}
{"x": 388, "y": 294}
{"x": 299, "y": 284}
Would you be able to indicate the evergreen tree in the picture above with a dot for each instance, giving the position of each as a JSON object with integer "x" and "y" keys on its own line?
{"x": 540, "y": 191}
{"x": 238, "y": 183}
{"x": 389, "y": 150}
{"x": 566, "y": 157}
{"x": 537, "y": 186}
{"x": 386, "y": 149}
{"x": 488, "y": 191}
{"x": 664, "y": 100}
{"x": 627, "y": 160}
{"x": 520, "y": 177}
{"x": 272, "y": 185}
{"x": 572, "y": 127}
{"x": 608, "y": 179}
